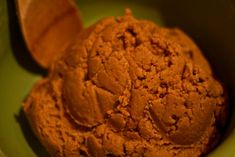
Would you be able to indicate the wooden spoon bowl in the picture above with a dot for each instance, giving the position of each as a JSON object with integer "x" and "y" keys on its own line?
{"x": 48, "y": 27}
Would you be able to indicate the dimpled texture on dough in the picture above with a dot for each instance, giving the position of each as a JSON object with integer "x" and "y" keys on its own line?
{"x": 128, "y": 87}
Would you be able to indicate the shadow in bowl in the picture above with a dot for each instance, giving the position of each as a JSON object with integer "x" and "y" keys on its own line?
{"x": 24, "y": 59}
{"x": 209, "y": 31}
{"x": 20, "y": 51}
{"x": 30, "y": 137}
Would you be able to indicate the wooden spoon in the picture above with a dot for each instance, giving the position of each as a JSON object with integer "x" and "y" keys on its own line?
{"x": 48, "y": 27}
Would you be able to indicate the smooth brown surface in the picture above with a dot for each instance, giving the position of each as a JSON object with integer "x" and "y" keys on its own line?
{"x": 48, "y": 27}
{"x": 128, "y": 88}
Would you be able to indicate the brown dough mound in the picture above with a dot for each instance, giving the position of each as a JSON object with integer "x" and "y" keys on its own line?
{"x": 128, "y": 87}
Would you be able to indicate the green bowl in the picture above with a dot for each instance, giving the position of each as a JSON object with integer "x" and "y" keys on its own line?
{"x": 211, "y": 23}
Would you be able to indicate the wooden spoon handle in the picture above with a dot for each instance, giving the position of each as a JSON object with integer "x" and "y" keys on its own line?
{"x": 48, "y": 26}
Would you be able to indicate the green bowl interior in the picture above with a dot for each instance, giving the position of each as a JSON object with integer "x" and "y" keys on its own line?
{"x": 210, "y": 23}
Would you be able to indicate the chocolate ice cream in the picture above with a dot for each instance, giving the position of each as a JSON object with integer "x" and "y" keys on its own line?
{"x": 128, "y": 87}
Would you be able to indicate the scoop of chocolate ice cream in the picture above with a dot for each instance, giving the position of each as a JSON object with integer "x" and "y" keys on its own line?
{"x": 128, "y": 87}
